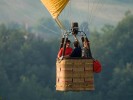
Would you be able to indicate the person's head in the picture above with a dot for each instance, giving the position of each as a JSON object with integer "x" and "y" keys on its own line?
{"x": 68, "y": 43}
{"x": 85, "y": 43}
{"x": 76, "y": 43}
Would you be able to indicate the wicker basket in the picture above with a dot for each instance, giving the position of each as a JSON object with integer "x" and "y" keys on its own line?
{"x": 74, "y": 75}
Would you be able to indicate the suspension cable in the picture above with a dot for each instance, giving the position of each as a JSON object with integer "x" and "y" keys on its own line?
{"x": 29, "y": 18}
{"x": 70, "y": 9}
{"x": 98, "y": 7}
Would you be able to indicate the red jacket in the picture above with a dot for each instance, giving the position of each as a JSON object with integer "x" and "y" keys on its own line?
{"x": 67, "y": 52}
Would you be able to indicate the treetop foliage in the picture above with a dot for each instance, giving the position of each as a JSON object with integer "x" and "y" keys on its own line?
{"x": 27, "y": 64}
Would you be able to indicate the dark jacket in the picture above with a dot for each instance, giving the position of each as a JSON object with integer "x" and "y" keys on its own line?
{"x": 77, "y": 52}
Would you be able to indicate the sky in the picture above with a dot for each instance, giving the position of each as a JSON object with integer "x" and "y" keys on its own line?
{"x": 96, "y": 12}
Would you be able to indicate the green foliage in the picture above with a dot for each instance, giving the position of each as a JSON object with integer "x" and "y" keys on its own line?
{"x": 121, "y": 83}
{"x": 113, "y": 47}
{"x": 27, "y": 64}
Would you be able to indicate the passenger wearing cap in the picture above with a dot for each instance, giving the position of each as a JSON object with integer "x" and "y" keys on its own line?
{"x": 68, "y": 50}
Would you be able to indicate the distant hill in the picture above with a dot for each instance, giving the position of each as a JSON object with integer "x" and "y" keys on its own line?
{"x": 30, "y": 11}
{"x": 21, "y": 10}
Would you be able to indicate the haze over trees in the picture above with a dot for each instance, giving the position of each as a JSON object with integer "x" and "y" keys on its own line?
{"x": 27, "y": 64}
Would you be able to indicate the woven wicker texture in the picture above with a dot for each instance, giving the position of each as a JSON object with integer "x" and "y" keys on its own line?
{"x": 74, "y": 75}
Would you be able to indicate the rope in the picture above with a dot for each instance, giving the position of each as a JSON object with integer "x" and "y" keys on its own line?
{"x": 95, "y": 6}
{"x": 98, "y": 7}
{"x": 70, "y": 20}
{"x": 29, "y": 18}
{"x": 92, "y": 10}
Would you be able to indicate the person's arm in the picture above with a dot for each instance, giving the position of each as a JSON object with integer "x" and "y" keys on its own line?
{"x": 73, "y": 53}
{"x": 60, "y": 53}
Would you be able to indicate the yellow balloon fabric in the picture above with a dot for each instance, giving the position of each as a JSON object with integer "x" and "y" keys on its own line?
{"x": 55, "y": 7}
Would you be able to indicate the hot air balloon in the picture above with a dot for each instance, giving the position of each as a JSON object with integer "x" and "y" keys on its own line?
{"x": 72, "y": 73}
